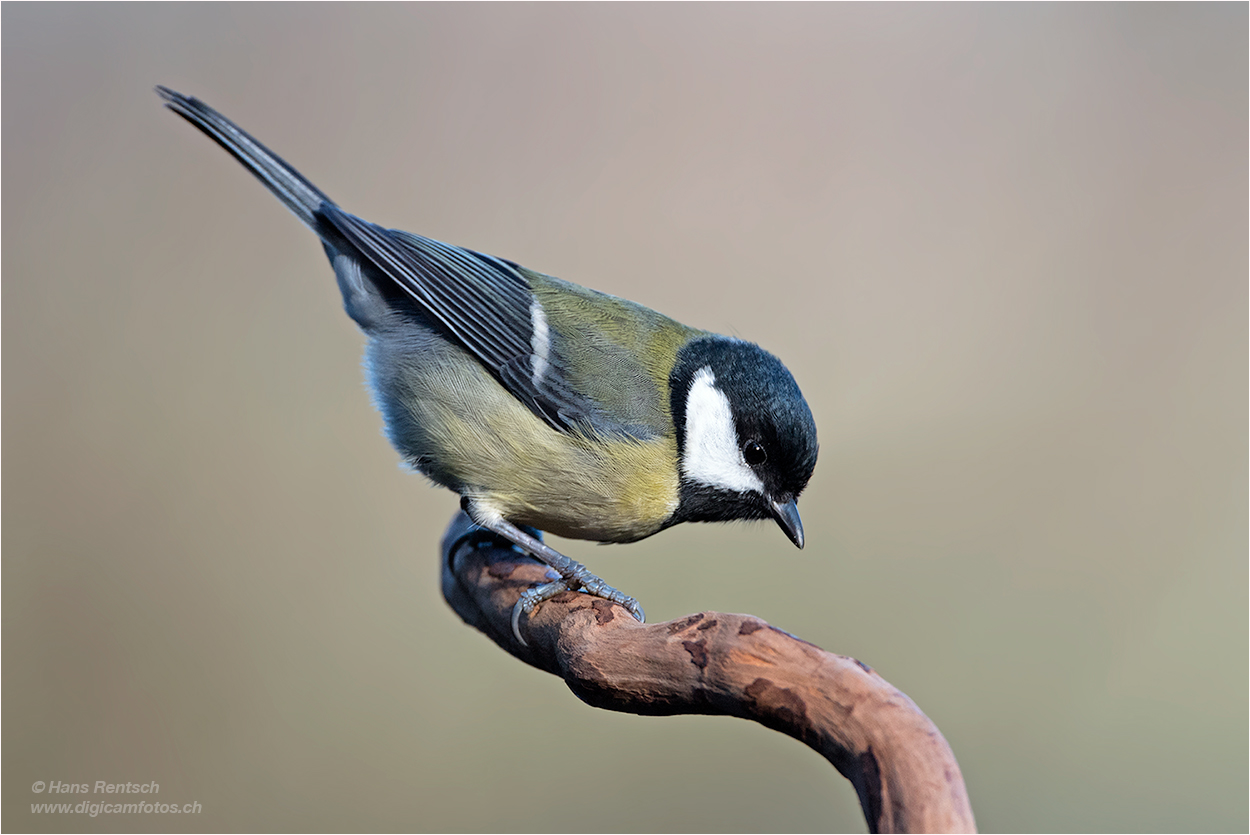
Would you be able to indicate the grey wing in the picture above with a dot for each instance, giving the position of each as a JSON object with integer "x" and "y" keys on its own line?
{"x": 478, "y": 302}
{"x": 484, "y": 305}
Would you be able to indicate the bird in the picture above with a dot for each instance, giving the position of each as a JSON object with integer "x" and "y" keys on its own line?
{"x": 547, "y": 406}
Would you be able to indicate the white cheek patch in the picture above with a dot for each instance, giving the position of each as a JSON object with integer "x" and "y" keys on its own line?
{"x": 713, "y": 455}
{"x": 540, "y": 344}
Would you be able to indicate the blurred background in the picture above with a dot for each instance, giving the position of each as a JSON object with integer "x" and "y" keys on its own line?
{"x": 1002, "y": 248}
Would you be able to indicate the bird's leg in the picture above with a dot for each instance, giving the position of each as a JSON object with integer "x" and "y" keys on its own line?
{"x": 573, "y": 575}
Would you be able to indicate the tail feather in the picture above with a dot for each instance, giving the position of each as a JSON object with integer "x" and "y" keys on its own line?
{"x": 288, "y": 185}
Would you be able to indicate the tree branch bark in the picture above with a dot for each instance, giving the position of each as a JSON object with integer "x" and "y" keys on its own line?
{"x": 712, "y": 663}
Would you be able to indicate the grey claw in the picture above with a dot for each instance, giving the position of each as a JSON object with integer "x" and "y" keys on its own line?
{"x": 516, "y": 620}
{"x": 529, "y": 600}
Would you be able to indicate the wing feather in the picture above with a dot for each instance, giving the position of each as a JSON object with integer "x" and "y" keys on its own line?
{"x": 486, "y": 305}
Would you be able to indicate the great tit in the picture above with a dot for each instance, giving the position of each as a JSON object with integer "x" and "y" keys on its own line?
{"x": 545, "y": 404}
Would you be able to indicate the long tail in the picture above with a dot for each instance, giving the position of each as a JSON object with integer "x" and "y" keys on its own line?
{"x": 288, "y": 185}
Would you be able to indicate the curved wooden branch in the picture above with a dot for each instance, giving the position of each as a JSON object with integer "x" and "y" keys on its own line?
{"x": 713, "y": 663}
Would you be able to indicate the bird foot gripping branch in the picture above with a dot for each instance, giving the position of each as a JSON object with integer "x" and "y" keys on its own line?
{"x": 573, "y": 575}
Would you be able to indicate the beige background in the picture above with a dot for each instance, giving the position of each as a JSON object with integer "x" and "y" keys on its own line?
{"x": 1002, "y": 248}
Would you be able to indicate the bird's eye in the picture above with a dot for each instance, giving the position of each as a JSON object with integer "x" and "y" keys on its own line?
{"x": 753, "y": 453}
